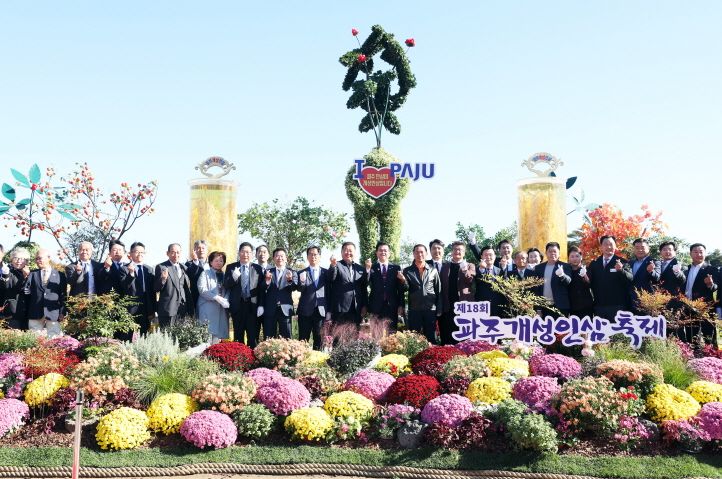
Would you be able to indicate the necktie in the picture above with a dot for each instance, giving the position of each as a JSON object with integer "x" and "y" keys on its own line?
{"x": 139, "y": 279}
{"x": 178, "y": 271}
{"x": 664, "y": 265}
{"x": 606, "y": 262}
{"x": 244, "y": 281}
{"x": 383, "y": 271}
{"x": 438, "y": 266}
{"x": 44, "y": 276}
{"x": 313, "y": 276}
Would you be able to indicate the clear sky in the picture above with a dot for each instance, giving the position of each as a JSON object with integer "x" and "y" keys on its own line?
{"x": 626, "y": 93}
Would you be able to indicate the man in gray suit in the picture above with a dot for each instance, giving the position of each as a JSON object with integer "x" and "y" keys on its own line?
{"x": 173, "y": 284}
{"x": 45, "y": 291}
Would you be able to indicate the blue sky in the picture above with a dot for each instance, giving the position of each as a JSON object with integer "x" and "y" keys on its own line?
{"x": 627, "y": 94}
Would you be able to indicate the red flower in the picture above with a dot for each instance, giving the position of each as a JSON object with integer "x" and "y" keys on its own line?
{"x": 33, "y": 187}
{"x": 410, "y": 42}
{"x": 232, "y": 356}
{"x": 432, "y": 360}
{"x": 361, "y": 58}
{"x": 415, "y": 390}
{"x": 354, "y": 32}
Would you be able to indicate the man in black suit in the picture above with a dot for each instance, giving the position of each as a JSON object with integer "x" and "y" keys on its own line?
{"x": 645, "y": 271}
{"x": 196, "y": 266}
{"x": 348, "y": 287}
{"x": 671, "y": 278}
{"x": 12, "y": 289}
{"x": 84, "y": 275}
{"x": 139, "y": 285}
{"x": 262, "y": 257}
{"x": 701, "y": 284}
{"x": 485, "y": 273}
{"x": 241, "y": 280}
{"x": 386, "y": 299}
{"x": 520, "y": 270}
{"x": 275, "y": 302}
{"x": 45, "y": 293}
{"x": 425, "y": 302}
{"x": 173, "y": 284}
{"x": 611, "y": 280}
{"x": 457, "y": 279}
{"x": 557, "y": 277}
{"x": 504, "y": 261}
{"x": 113, "y": 275}
{"x": 314, "y": 284}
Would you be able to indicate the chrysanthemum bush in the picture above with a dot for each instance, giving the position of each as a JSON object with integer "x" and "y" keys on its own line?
{"x": 263, "y": 376}
{"x": 526, "y": 431}
{"x": 209, "y": 429}
{"x": 705, "y": 391}
{"x": 106, "y": 372}
{"x": 491, "y": 354}
{"x": 391, "y": 418}
{"x": 467, "y": 367}
{"x": 231, "y": 355}
{"x": 708, "y": 369}
{"x": 631, "y": 433}
{"x": 44, "y": 359}
{"x": 393, "y": 364}
{"x": 41, "y": 390}
{"x": 280, "y": 353}
{"x": 64, "y": 342}
{"x": 686, "y": 433}
{"x": 348, "y": 404}
{"x": 12, "y": 375}
{"x": 316, "y": 359}
{"x": 255, "y": 421}
{"x": 447, "y": 409}
{"x": 371, "y": 384}
{"x": 283, "y": 396}
{"x": 17, "y": 340}
{"x": 555, "y": 366}
{"x": 13, "y": 414}
{"x": 473, "y": 346}
{"x": 592, "y": 404}
{"x": 667, "y": 403}
{"x": 225, "y": 392}
{"x": 319, "y": 380}
{"x": 166, "y": 413}
{"x": 347, "y": 358}
{"x": 710, "y": 419}
{"x": 415, "y": 390}
{"x": 124, "y": 428}
{"x": 408, "y": 343}
{"x": 309, "y": 424}
{"x": 490, "y": 390}
{"x": 643, "y": 376}
{"x": 508, "y": 368}
{"x": 455, "y": 385}
{"x": 431, "y": 361}
{"x": 536, "y": 392}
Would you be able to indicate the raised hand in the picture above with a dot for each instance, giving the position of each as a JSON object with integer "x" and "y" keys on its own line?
{"x": 400, "y": 276}
{"x": 618, "y": 265}
{"x": 236, "y": 273}
{"x": 131, "y": 268}
{"x": 164, "y": 274}
{"x": 302, "y": 277}
{"x": 269, "y": 277}
{"x": 650, "y": 267}
{"x": 709, "y": 281}
{"x": 559, "y": 271}
{"x": 78, "y": 267}
{"x": 367, "y": 265}
{"x": 583, "y": 271}
{"x": 289, "y": 275}
{"x": 677, "y": 269}
{"x": 108, "y": 262}
{"x": 333, "y": 260}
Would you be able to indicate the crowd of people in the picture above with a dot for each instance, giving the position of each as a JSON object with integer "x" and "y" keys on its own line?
{"x": 257, "y": 295}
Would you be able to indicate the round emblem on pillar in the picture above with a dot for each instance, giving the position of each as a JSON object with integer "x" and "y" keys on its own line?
{"x": 215, "y": 162}
{"x": 548, "y": 159}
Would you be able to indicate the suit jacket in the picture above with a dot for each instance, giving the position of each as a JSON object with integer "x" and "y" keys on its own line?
{"x": 580, "y": 294}
{"x": 194, "y": 272}
{"x": 174, "y": 291}
{"x": 669, "y": 281}
{"x": 699, "y": 289}
{"x": 141, "y": 287}
{"x": 79, "y": 282}
{"x": 424, "y": 289}
{"x": 610, "y": 287}
{"x": 348, "y": 287}
{"x": 515, "y": 274}
{"x": 314, "y": 296}
{"x": 47, "y": 301}
{"x": 277, "y": 293}
{"x": 389, "y": 293}
{"x": 643, "y": 279}
{"x": 114, "y": 279}
{"x": 12, "y": 296}
{"x": 560, "y": 285}
{"x": 484, "y": 291}
{"x": 464, "y": 286}
{"x": 235, "y": 289}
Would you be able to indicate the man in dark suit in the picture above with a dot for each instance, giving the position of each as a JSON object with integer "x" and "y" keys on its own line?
{"x": 520, "y": 270}
{"x": 84, "y": 275}
{"x": 645, "y": 271}
{"x": 314, "y": 284}
{"x": 196, "y": 266}
{"x": 485, "y": 273}
{"x": 348, "y": 287}
{"x": 173, "y": 284}
{"x": 45, "y": 293}
{"x": 671, "y": 278}
{"x": 12, "y": 289}
{"x": 113, "y": 275}
{"x": 611, "y": 279}
{"x": 457, "y": 279}
{"x": 241, "y": 280}
{"x": 504, "y": 261}
{"x": 425, "y": 302}
{"x": 557, "y": 276}
{"x": 386, "y": 299}
{"x": 139, "y": 285}
{"x": 275, "y": 302}
{"x": 701, "y": 284}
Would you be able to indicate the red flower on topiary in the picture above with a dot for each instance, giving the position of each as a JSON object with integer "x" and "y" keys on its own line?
{"x": 410, "y": 42}
{"x": 432, "y": 360}
{"x": 232, "y": 356}
{"x": 354, "y": 32}
{"x": 361, "y": 58}
{"x": 415, "y": 390}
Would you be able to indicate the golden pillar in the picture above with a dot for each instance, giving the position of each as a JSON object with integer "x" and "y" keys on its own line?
{"x": 213, "y": 209}
{"x": 542, "y": 206}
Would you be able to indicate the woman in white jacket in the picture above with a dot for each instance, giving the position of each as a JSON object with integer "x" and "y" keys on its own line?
{"x": 213, "y": 299}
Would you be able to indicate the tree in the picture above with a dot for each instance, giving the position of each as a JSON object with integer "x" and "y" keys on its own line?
{"x": 294, "y": 226}
{"x": 74, "y": 208}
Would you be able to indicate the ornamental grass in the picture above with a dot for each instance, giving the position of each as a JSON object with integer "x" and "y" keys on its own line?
{"x": 167, "y": 412}
{"x": 124, "y": 428}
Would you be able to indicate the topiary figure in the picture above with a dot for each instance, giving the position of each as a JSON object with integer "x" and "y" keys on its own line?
{"x": 377, "y": 218}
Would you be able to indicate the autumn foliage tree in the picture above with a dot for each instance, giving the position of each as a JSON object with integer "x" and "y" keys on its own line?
{"x": 610, "y": 220}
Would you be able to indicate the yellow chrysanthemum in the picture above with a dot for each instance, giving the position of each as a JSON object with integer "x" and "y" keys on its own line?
{"x": 167, "y": 412}
{"x": 669, "y": 403}
{"x": 316, "y": 358}
{"x": 41, "y": 390}
{"x": 495, "y": 353}
{"x": 705, "y": 391}
{"x": 347, "y": 404}
{"x": 124, "y": 428}
{"x": 394, "y": 364}
{"x": 488, "y": 390}
{"x": 309, "y": 424}
{"x": 516, "y": 367}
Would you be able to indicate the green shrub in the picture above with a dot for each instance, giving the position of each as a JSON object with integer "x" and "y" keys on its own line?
{"x": 189, "y": 333}
{"x": 668, "y": 357}
{"x": 154, "y": 348}
{"x": 352, "y": 356}
{"x": 16, "y": 340}
{"x": 533, "y": 432}
{"x": 177, "y": 375}
{"x": 255, "y": 421}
